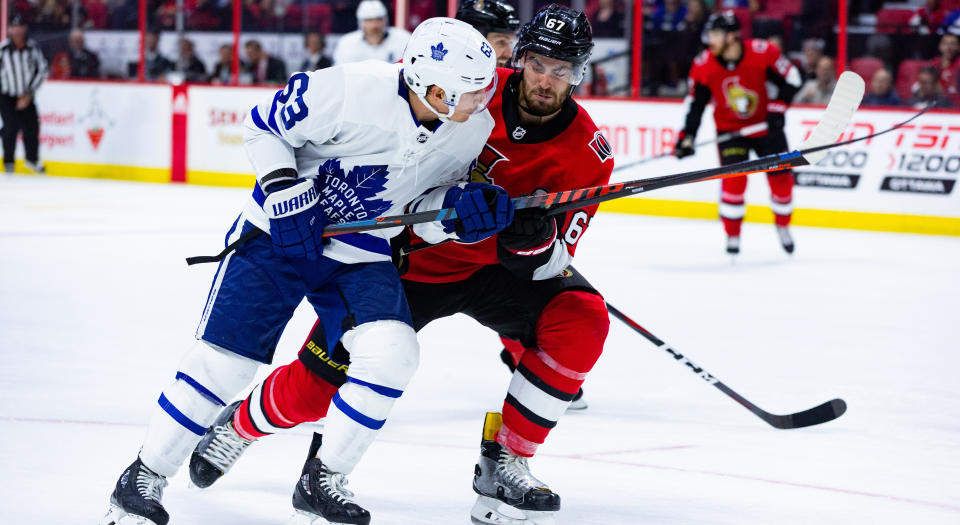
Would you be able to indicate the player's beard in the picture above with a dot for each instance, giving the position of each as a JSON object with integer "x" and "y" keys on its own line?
{"x": 534, "y": 105}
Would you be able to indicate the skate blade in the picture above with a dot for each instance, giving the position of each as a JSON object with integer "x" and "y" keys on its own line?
{"x": 487, "y": 511}
{"x": 300, "y": 517}
{"x": 117, "y": 516}
{"x": 579, "y": 404}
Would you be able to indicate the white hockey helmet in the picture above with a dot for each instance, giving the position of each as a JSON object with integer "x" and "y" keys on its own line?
{"x": 371, "y": 9}
{"x": 455, "y": 57}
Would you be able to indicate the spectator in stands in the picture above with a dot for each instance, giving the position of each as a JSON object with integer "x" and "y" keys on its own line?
{"x": 263, "y": 68}
{"x": 222, "y": 71}
{"x": 948, "y": 66}
{"x": 664, "y": 53}
{"x": 188, "y": 63}
{"x": 669, "y": 16}
{"x": 156, "y": 66}
{"x": 754, "y": 5}
{"x": 691, "y": 33}
{"x": 52, "y": 15}
{"x": 930, "y": 17}
{"x": 607, "y": 20}
{"x": 881, "y": 90}
{"x": 928, "y": 90}
{"x": 373, "y": 41}
{"x": 818, "y": 90}
{"x": 812, "y": 53}
{"x": 83, "y": 62}
{"x": 314, "y": 44}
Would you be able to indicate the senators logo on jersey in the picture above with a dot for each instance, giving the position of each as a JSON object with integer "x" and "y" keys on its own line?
{"x": 601, "y": 147}
{"x": 740, "y": 100}
{"x": 488, "y": 158}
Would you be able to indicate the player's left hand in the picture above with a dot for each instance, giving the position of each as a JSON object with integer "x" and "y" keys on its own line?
{"x": 530, "y": 230}
{"x": 776, "y": 115}
{"x": 482, "y": 210}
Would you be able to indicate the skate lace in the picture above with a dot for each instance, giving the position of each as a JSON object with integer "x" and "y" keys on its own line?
{"x": 225, "y": 448}
{"x": 150, "y": 485}
{"x": 515, "y": 471}
{"x": 332, "y": 483}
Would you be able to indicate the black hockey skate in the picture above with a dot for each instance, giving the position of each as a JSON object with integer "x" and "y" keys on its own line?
{"x": 319, "y": 496}
{"x": 136, "y": 498}
{"x": 786, "y": 240}
{"x": 219, "y": 449}
{"x": 733, "y": 244}
{"x": 578, "y": 403}
{"x": 501, "y": 478}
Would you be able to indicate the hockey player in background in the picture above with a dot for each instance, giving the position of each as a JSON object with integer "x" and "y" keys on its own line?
{"x": 517, "y": 283}
{"x": 734, "y": 73}
{"x": 373, "y": 40}
{"x": 497, "y": 21}
{"x": 339, "y": 144}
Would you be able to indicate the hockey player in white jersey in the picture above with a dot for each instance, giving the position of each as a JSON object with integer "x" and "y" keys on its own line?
{"x": 343, "y": 143}
{"x": 373, "y": 40}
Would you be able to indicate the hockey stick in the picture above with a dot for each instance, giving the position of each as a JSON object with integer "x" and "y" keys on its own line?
{"x": 744, "y": 132}
{"x": 845, "y": 100}
{"x": 814, "y": 416}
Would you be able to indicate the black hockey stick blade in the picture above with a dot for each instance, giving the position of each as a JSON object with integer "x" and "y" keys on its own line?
{"x": 819, "y": 414}
{"x": 814, "y": 416}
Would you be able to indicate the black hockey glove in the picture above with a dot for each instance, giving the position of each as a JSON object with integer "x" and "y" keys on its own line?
{"x": 684, "y": 147}
{"x": 531, "y": 228}
{"x": 775, "y": 121}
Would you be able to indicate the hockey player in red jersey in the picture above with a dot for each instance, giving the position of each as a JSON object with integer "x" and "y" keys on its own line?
{"x": 734, "y": 73}
{"x": 518, "y": 284}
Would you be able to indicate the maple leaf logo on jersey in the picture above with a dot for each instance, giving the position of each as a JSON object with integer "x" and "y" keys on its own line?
{"x": 438, "y": 52}
{"x": 484, "y": 164}
{"x": 740, "y": 100}
{"x": 353, "y": 196}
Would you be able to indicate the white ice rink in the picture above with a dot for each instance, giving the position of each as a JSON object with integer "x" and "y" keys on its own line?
{"x": 97, "y": 306}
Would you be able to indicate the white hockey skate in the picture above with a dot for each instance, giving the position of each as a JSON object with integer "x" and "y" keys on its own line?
{"x": 733, "y": 244}
{"x": 508, "y": 494}
{"x": 218, "y": 451}
{"x": 786, "y": 240}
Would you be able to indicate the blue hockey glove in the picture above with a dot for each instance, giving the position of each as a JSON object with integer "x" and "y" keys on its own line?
{"x": 296, "y": 219}
{"x": 482, "y": 210}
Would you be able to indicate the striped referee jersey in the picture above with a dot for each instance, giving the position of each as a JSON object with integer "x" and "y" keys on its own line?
{"x": 21, "y": 70}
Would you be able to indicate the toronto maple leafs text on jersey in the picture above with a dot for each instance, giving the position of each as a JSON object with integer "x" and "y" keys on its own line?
{"x": 352, "y": 129}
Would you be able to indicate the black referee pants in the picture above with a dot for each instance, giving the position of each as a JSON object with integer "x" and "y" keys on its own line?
{"x": 14, "y": 121}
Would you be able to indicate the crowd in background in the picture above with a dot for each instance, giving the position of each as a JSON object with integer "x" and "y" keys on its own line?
{"x": 908, "y": 52}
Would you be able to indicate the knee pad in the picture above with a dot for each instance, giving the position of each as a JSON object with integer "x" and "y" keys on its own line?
{"x": 573, "y": 327}
{"x": 382, "y": 353}
{"x": 216, "y": 373}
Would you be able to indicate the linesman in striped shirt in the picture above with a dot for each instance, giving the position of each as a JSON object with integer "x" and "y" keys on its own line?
{"x": 22, "y": 70}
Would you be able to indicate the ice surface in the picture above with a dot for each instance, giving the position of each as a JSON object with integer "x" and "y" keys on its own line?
{"x": 97, "y": 306}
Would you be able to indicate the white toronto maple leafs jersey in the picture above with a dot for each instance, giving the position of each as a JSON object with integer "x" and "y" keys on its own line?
{"x": 352, "y": 128}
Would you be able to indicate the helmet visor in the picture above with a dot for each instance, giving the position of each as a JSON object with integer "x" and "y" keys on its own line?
{"x": 568, "y": 72}
{"x": 473, "y": 102}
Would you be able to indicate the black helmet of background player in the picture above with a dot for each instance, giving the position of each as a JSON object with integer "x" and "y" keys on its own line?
{"x": 721, "y": 31}
{"x": 496, "y": 20}
{"x": 560, "y": 34}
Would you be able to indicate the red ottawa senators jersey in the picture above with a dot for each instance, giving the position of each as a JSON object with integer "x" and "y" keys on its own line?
{"x": 738, "y": 89}
{"x": 566, "y": 153}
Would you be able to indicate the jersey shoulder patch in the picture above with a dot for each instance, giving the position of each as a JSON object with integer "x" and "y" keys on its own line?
{"x": 702, "y": 58}
{"x": 601, "y": 147}
{"x": 759, "y": 45}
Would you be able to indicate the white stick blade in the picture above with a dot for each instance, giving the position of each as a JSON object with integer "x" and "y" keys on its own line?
{"x": 844, "y": 101}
